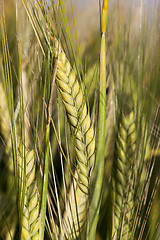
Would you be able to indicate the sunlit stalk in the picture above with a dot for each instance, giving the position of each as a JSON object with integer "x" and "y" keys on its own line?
{"x": 99, "y": 165}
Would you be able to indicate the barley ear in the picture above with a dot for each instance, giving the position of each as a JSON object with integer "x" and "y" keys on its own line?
{"x": 30, "y": 201}
{"x": 75, "y": 214}
{"x": 78, "y": 116}
{"x": 124, "y": 176}
{"x": 83, "y": 132}
{"x": 130, "y": 178}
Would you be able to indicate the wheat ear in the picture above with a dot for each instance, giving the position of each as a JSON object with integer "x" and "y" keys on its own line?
{"x": 124, "y": 176}
{"x": 75, "y": 214}
{"x": 27, "y": 183}
{"x": 77, "y": 115}
{"x": 83, "y": 131}
{"x": 130, "y": 177}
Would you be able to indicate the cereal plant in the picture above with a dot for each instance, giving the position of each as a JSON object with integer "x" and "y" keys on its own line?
{"x": 79, "y": 121}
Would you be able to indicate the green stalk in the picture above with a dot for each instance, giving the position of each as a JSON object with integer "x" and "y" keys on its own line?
{"x": 45, "y": 184}
{"x": 98, "y": 174}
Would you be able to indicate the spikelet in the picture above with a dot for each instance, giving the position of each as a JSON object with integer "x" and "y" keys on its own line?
{"x": 27, "y": 183}
{"x": 77, "y": 115}
{"x": 124, "y": 177}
